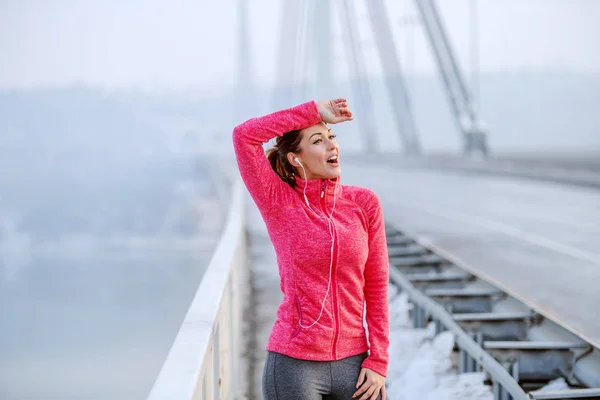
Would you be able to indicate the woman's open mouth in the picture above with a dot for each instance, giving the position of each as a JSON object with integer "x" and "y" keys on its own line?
{"x": 333, "y": 161}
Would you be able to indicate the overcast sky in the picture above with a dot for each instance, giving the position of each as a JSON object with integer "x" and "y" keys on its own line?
{"x": 192, "y": 43}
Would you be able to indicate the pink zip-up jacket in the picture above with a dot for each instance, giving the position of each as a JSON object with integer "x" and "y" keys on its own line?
{"x": 302, "y": 243}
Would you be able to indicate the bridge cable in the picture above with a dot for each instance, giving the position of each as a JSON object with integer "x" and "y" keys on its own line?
{"x": 358, "y": 75}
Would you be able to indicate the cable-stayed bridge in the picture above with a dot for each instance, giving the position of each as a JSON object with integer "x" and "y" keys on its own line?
{"x": 502, "y": 252}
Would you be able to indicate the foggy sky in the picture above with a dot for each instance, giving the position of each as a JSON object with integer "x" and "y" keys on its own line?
{"x": 191, "y": 43}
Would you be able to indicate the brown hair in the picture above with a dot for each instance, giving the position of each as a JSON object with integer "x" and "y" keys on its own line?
{"x": 277, "y": 155}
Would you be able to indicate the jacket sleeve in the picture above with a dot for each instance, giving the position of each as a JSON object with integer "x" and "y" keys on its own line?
{"x": 264, "y": 185}
{"x": 376, "y": 290}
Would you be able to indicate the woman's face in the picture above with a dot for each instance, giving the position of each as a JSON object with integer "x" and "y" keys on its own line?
{"x": 319, "y": 153}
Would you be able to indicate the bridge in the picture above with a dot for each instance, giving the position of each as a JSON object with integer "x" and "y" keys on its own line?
{"x": 499, "y": 251}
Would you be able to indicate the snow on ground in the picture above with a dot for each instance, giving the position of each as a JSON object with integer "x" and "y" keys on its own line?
{"x": 420, "y": 366}
{"x": 557, "y": 384}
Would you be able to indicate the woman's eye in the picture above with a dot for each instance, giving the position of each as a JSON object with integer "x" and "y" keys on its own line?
{"x": 332, "y": 136}
{"x": 317, "y": 141}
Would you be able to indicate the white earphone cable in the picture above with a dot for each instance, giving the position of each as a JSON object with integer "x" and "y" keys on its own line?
{"x": 332, "y": 231}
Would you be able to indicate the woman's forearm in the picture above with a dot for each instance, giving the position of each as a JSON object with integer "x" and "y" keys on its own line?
{"x": 262, "y": 129}
{"x": 264, "y": 185}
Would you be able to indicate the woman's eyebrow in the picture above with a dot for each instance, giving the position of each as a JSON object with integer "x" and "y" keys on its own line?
{"x": 319, "y": 133}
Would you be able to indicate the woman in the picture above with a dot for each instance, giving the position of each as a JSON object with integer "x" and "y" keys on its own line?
{"x": 332, "y": 256}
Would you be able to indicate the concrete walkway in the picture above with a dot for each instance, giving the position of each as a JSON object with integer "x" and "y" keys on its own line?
{"x": 266, "y": 295}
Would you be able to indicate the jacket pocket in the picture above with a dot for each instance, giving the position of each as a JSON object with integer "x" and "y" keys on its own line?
{"x": 297, "y": 330}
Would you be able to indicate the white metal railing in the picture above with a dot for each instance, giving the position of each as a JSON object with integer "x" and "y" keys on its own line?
{"x": 205, "y": 359}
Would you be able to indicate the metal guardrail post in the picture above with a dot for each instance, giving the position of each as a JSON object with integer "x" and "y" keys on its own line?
{"x": 502, "y": 380}
{"x": 487, "y": 338}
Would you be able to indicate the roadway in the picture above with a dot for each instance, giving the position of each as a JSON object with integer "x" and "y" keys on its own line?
{"x": 538, "y": 241}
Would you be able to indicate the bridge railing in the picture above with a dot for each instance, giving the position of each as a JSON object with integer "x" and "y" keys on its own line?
{"x": 204, "y": 361}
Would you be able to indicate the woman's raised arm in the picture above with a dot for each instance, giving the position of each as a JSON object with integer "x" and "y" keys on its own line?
{"x": 264, "y": 185}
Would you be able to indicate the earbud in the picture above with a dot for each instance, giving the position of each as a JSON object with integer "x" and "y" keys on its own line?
{"x": 298, "y": 161}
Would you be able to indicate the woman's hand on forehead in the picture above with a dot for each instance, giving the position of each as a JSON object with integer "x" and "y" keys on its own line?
{"x": 334, "y": 111}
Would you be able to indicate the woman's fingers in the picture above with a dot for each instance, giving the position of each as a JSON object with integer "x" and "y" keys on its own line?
{"x": 373, "y": 386}
{"x": 367, "y": 389}
{"x": 343, "y": 116}
{"x": 334, "y": 111}
{"x": 368, "y": 393}
{"x": 339, "y": 104}
{"x": 361, "y": 390}
{"x": 342, "y": 119}
{"x": 343, "y": 109}
{"x": 361, "y": 377}
{"x": 375, "y": 393}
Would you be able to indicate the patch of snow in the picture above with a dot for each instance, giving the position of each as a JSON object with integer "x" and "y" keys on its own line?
{"x": 420, "y": 365}
{"x": 556, "y": 384}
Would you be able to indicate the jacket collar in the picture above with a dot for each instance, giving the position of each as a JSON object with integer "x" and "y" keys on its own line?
{"x": 317, "y": 189}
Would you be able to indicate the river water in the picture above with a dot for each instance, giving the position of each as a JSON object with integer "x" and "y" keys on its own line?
{"x": 96, "y": 275}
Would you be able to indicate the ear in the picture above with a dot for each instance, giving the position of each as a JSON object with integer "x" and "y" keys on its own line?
{"x": 291, "y": 159}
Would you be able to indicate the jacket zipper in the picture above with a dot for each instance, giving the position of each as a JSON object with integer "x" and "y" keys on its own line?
{"x": 336, "y": 328}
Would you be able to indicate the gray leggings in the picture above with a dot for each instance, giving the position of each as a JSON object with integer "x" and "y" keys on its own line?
{"x": 287, "y": 378}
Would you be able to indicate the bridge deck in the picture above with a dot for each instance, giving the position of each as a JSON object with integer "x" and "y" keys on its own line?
{"x": 537, "y": 241}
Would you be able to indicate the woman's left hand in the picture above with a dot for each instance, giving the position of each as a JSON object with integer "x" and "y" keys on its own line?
{"x": 334, "y": 111}
{"x": 371, "y": 384}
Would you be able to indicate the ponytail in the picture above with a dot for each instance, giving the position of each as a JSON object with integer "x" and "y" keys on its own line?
{"x": 277, "y": 156}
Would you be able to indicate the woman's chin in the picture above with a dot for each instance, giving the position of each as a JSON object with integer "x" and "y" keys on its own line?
{"x": 334, "y": 172}
{"x": 329, "y": 173}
